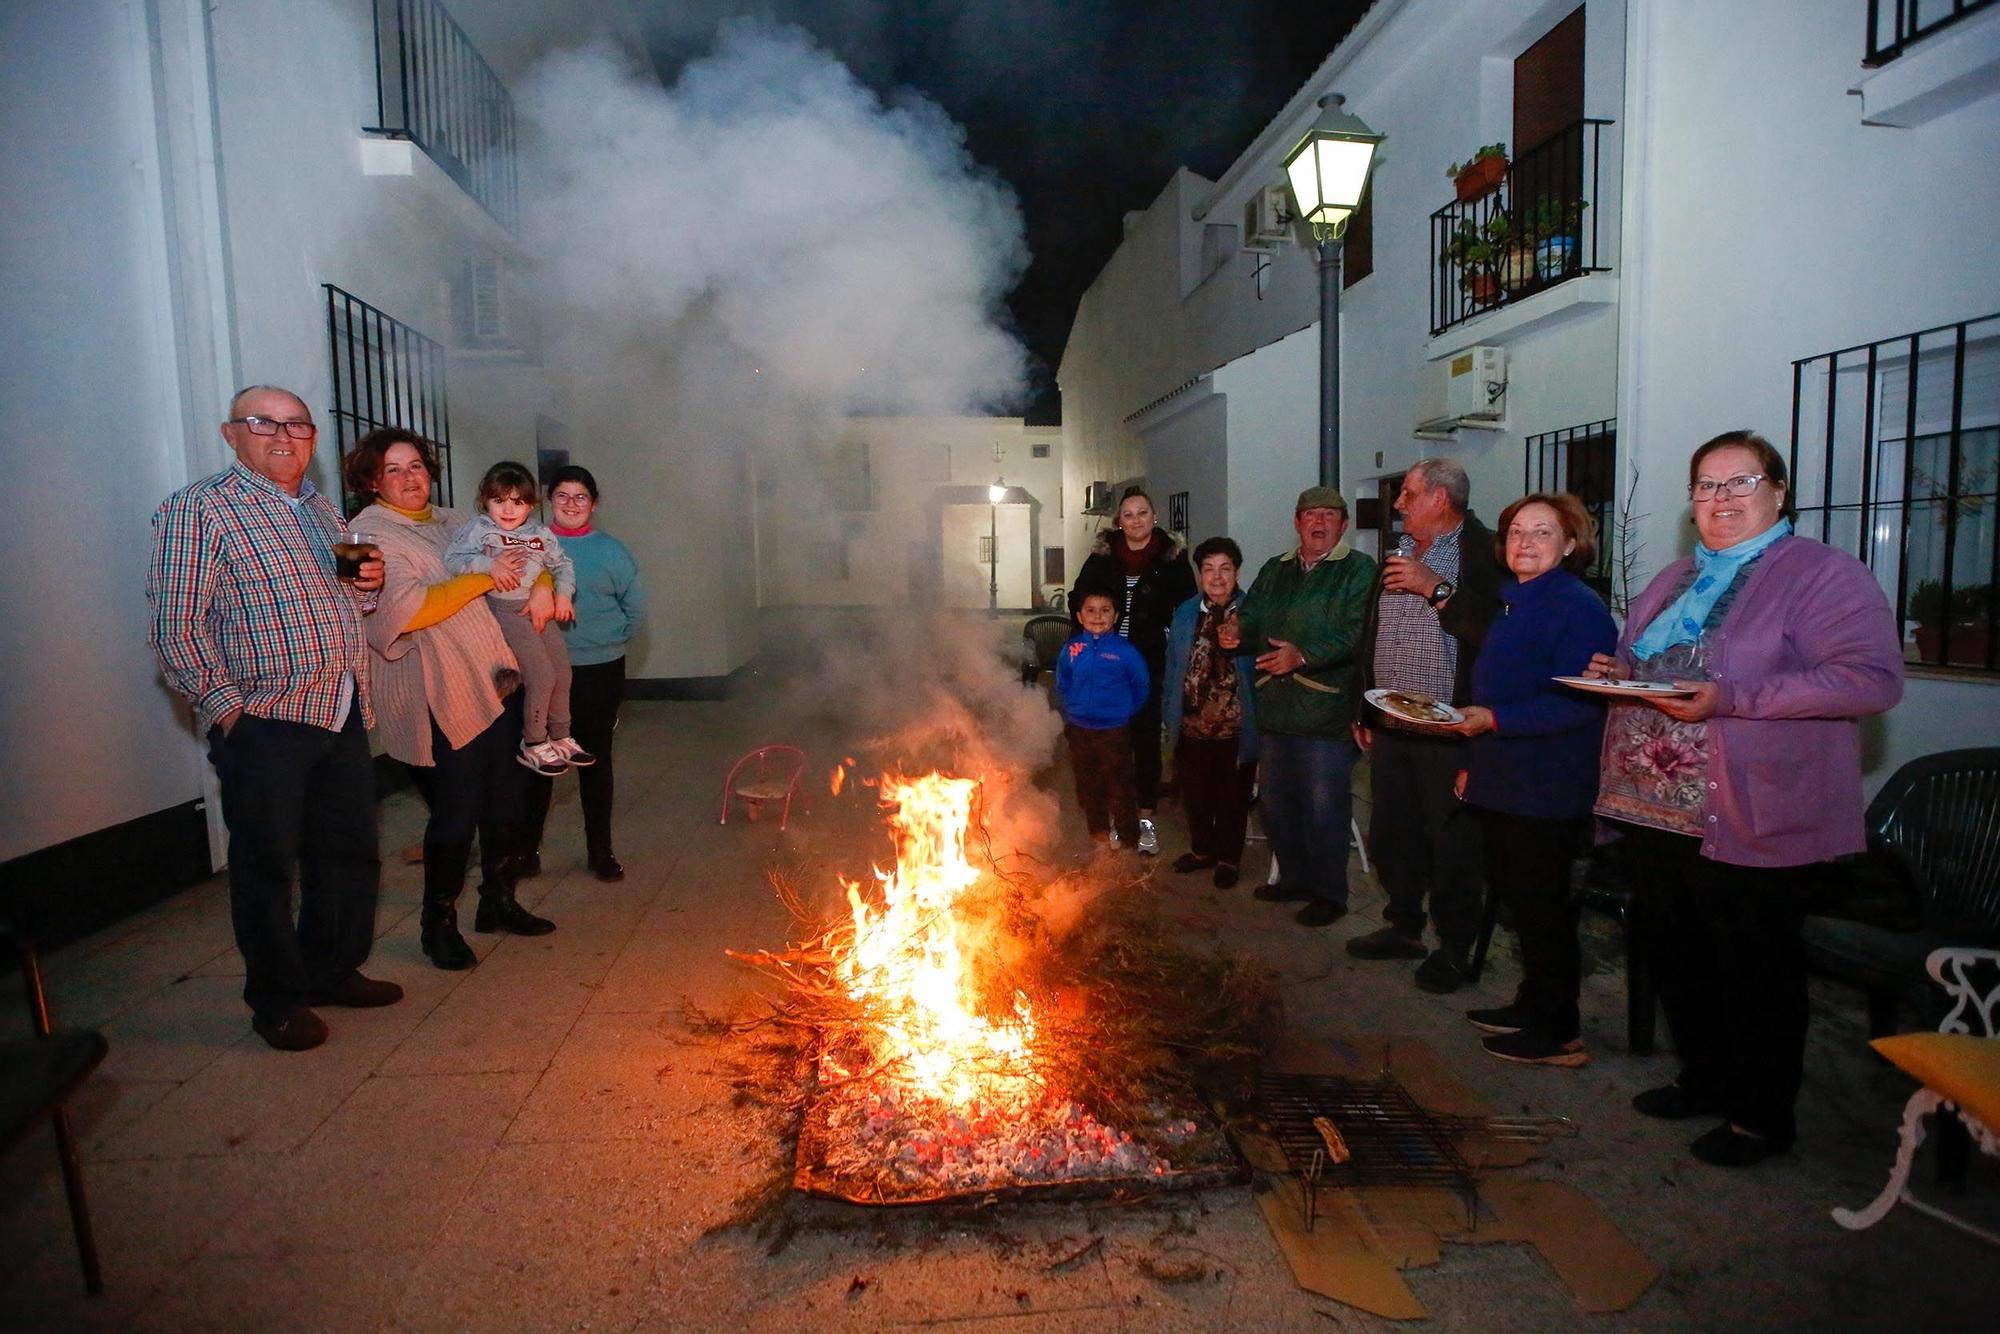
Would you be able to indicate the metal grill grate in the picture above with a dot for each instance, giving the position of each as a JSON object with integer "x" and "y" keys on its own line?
{"x": 1391, "y": 1139}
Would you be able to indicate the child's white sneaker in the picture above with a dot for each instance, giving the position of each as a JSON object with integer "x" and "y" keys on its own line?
{"x": 572, "y": 752}
{"x": 543, "y": 758}
{"x": 1149, "y": 840}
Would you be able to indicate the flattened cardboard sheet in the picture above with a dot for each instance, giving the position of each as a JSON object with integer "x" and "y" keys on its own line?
{"x": 1363, "y": 1237}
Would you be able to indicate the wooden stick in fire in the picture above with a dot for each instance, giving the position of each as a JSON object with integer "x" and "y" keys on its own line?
{"x": 1336, "y": 1147}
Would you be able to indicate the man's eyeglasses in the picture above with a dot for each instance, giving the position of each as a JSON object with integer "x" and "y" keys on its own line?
{"x": 271, "y": 426}
{"x": 1705, "y": 489}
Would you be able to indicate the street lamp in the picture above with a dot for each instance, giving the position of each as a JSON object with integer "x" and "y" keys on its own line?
{"x": 1328, "y": 172}
{"x": 994, "y": 495}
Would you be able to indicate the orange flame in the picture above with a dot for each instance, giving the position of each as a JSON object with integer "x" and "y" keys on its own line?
{"x": 910, "y": 957}
{"x": 839, "y": 777}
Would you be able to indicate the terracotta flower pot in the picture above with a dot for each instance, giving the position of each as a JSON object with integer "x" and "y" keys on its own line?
{"x": 1480, "y": 179}
{"x": 1482, "y": 286}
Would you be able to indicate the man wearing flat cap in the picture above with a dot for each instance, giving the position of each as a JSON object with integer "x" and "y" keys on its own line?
{"x": 1303, "y": 620}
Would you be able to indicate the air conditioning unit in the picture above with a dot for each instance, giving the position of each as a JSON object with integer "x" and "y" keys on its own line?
{"x": 1267, "y": 219}
{"x": 1097, "y": 498}
{"x": 1466, "y": 389}
{"x": 480, "y": 309}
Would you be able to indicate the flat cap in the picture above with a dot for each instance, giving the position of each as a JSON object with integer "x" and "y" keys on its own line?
{"x": 1320, "y": 498}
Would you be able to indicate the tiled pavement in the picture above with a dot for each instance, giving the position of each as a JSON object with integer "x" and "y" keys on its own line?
{"x": 539, "y": 1143}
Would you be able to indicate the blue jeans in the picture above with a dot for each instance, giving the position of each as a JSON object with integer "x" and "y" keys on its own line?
{"x": 1308, "y": 806}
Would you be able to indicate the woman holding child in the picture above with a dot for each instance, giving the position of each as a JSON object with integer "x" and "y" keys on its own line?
{"x": 1210, "y": 705}
{"x": 1148, "y": 571}
{"x": 446, "y": 688}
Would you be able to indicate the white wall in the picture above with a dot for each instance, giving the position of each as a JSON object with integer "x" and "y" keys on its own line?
{"x": 87, "y": 432}
{"x": 1187, "y": 450}
{"x": 1770, "y": 224}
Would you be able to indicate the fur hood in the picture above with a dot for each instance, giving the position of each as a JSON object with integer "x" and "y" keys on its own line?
{"x": 1101, "y": 545}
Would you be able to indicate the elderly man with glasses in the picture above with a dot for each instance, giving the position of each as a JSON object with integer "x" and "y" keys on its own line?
{"x": 253, "y": 623}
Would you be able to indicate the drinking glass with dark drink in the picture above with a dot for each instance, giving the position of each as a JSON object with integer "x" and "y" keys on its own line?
{"x": 348, "y": 555}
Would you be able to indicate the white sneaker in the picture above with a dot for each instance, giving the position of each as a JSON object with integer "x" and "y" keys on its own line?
{"x": 543, "y": 758}
{"x": 1149, "y": 842}
{"x": 572, "y": 753}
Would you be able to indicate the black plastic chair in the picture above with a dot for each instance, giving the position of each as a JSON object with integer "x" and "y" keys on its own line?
{"x": 1937, "y": 820}
{"x": 37, "y": 1076}
{"x": 1041, "y": 639}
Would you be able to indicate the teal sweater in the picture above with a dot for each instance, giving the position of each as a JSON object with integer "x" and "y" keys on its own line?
{"x": 610, "y": 600}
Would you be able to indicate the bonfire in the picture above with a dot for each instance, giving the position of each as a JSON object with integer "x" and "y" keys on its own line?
{"x": 957, "y": 1049}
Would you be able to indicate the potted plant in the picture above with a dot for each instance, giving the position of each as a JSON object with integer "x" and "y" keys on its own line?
{"x": 1542, "y": 244}
{"x": 1481, "y": 174}
{"x": 1474, "y": 247}
{"x": 1962, "y": 627}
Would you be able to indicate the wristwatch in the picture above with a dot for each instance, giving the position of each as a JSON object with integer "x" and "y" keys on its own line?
{"x": 1443, "y": 591}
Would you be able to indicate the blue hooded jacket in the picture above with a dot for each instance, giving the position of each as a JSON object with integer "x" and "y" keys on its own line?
{"x": 1101, "y": 680}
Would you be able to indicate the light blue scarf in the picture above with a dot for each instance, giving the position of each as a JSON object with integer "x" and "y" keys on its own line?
{"x": 1681, "y": 620}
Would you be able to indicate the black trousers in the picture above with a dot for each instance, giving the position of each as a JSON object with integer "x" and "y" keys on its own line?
{"x": 1215, "y": 795}
{"x": 477, "y": 788}
{"x": 1425, "y": 841}
{"x": 1731, "y": 965}
{"x": 1527, "y": 865}
{"x": 1145, "y": 730}
{"x": 1102, "y": 759}
{"x": 297, "y": 796}
{"x": 595, "y": 692}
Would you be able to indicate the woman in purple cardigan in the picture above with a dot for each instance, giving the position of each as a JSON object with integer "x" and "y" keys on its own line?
{"x": 1737, "y": 788}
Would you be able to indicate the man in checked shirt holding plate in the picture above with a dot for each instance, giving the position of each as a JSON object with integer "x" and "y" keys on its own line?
{"x": 1432, "y": 605}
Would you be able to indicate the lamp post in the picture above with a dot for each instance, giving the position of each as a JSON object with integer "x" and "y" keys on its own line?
{"x": 994, "y": 495}
{"x": 1328, "y": 172}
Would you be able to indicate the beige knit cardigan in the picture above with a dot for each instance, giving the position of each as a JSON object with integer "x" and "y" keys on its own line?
{"x": 445, "y": 671}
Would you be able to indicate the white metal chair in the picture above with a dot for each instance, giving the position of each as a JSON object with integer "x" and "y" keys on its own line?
{"x": 1958, "y": 1070}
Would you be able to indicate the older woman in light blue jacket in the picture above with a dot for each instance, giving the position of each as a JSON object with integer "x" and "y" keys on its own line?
{"x": 1209, "y": 703}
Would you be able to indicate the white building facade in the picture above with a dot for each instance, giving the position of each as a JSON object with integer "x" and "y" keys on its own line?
{"x": 902, "y": 515}
{"x": 319, "y": 194}
{"x": 1705, "y": 200}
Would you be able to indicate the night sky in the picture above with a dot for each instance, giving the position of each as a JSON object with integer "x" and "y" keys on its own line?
{"x": 1085, "y": 107}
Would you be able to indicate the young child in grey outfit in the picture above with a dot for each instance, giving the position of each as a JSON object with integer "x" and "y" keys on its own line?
{"x": 507, "y": 494}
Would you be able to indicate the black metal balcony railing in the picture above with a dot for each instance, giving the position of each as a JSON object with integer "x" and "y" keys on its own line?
{"x": 433, "y": 88}
{"x": 1893, "y": 26}
{"x": 1540, "y": 228}
{"x": 385, "y": 373}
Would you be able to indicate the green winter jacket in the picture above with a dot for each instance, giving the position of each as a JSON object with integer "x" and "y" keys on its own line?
{"x": 1321, "y": 611}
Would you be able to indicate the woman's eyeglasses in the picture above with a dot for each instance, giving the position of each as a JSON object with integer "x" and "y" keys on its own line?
{"x": 1706, "y": 489}
{"x": 270, "y": 426}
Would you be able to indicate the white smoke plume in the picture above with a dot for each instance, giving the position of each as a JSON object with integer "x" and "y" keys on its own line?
{"x": 846, "y": 251}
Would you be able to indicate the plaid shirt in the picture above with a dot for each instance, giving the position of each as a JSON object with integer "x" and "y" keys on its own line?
{"x": 1412, "y": 651}
{"x": 247, "y": 612}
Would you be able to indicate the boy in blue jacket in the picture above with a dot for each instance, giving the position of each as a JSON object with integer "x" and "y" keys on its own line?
{"x": 1101, "y": 681}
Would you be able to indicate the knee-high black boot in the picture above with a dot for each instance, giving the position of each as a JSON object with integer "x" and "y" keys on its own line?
{"x": 444, "y": 878}
{"x": 499, "y": 910}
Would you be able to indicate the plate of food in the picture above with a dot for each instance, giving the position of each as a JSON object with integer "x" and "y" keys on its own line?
{"x": 1604, "y": 685}
{"x": 1410, "y": 707}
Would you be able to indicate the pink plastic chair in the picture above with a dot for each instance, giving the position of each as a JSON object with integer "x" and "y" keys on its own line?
{"x": 776, "y": 778}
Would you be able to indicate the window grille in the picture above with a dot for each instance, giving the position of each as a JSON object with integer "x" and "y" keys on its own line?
{"x": 854, "y": 477}
{"x": 1040, "y": 449}
{"x": 1895, "y": 457}
{"x": 1892, "y": 27}
{"x": 985, "y": 551}
{"x": 385, "y": 373}
{"x": 1582, "y": 460}
{"x": 433, "y": 88}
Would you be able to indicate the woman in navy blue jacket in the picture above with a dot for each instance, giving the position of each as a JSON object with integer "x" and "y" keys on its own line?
{"x": 1532, "y": 765}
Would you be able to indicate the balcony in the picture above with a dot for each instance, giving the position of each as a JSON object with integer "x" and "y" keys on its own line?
{"x": 1894, "y": 26}
{"x": 1540, "y": 227}
{"x": 434, "y": 89}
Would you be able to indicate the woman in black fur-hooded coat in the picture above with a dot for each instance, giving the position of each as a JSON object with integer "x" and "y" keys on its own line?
{"x": 1147, "y": 574}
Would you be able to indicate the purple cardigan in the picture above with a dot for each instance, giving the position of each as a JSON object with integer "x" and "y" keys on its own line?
{"x": 1808, "y": 647}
